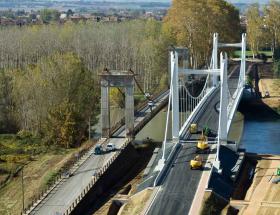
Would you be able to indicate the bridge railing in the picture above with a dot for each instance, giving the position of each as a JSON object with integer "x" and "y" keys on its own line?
{"x": 69, "y": 168}
{"x": 177, "y": 146}
{"x": 95, "y": 178}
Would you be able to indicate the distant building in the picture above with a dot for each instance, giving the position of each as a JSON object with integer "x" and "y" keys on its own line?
{"x": 63, "y": 16}
{"x": 243, "y": 21}
{"x": 77, "y": 18}
{"x": 7, "y": 21}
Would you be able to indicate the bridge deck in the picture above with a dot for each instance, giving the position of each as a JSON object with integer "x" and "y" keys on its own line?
{"x": 63, "y": 195}
{"x": 179, "y": 187}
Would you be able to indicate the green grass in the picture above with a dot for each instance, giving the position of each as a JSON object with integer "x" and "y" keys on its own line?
{"x": 44, "y": 163}
{"x": 250, "y": 53}
{"x": 139, "y": 98}
{"x": 50, "y": 178}
{"x": 19, "y": 149}
{"x": 15, "y": 151}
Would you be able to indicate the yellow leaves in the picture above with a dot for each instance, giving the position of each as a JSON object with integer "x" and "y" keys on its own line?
{"x": 117, "y": 97}
{"x": 192, "y": 22}
{"x": 61, "y": 125}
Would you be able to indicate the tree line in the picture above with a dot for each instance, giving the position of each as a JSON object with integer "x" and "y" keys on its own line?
{"x": 264, "y": 27}
{"x": 192, "y": 24}
{"x": 263, "y": 30}
{"x": 49, "y": 83}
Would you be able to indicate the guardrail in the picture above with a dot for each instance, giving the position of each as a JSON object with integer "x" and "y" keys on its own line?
{"x": 95, "y": 179}
{"x": 165, "y": 169}
{"x": 107, "y": 165}
{"x": 149, "y": 116}
{"x": 176, "y": 148}
{"x": 83, "y": 156}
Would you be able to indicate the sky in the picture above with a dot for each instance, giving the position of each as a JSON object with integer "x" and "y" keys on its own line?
{"x": 249, "y": 1}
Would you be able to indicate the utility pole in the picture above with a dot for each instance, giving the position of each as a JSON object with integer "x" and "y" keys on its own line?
{"x": 89, "y": 135}
{"x": 22, "y": 189}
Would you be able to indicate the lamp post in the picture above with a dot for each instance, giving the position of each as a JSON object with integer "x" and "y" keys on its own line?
{"x": 22, "y": 188}
{"x": 22, "y": 184}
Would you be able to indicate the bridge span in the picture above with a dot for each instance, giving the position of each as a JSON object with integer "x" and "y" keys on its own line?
{"x": 177, "y": 185}
{"x": 63, "y": 197}
{"x": 178, "y": 189}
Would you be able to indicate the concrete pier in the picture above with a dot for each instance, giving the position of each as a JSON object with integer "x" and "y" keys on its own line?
{"x": 123, "y": 79}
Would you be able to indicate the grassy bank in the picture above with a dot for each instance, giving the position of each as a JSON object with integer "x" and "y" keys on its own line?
{"x": 40, "y": 164}
{"x": 273, "y": 87}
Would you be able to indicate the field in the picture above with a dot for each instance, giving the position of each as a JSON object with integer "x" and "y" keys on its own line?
{"x": 41, "y": 165}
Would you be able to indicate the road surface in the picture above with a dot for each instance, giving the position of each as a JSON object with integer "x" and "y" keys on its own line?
{"x": 62, "y": 196}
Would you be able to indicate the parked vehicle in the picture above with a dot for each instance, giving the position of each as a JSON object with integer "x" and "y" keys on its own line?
{"x": 98, "y": 149}
{"x": 110, "y": 147}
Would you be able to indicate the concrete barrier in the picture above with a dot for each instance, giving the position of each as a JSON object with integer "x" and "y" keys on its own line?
{"x": 160, "y": 178}
{"x": 119, "y": 167}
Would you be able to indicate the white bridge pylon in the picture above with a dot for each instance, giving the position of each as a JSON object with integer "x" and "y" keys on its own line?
{"x": 185, "y": 104}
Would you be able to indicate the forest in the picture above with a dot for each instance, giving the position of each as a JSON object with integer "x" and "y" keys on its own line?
{"x": 49, "y": 83}
{"x": 263, "y": 31}
{"x": 49, "y": 74}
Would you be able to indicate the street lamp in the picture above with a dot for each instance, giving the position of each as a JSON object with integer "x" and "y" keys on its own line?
{"x": 22, "y": 188}
{"x": 22, "y": 184}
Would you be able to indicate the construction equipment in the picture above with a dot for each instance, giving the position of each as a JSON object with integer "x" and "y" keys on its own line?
{"x": 193, "y": 128}
{"x": 196, "y": 163}
{"x": 202, "y": 145}
{"x": 208, "y": 132}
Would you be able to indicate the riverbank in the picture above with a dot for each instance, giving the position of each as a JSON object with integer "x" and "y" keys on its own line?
{"x": 272, "y": 86}
{"x": 262, "y": 197}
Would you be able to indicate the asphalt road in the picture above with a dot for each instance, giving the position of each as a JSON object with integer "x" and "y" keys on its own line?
{"x": 177, "y": 192}
{"x": 62, "y": 196}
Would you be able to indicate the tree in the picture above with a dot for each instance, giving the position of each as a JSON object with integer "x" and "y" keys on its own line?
{"x": 55, "y": 98}
{"x": 51, "y": 65}
{"x": 192, "y": 24}
{"x": 48, "y": 15}
{"x": 272, "y": 21}
{"x": 69, "y": 13}
{"x": 117, "y": 97}
{"x": 255, "y": 28}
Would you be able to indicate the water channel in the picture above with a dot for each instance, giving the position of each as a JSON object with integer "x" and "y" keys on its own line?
{"x": 256, "y": 132}
{"x": 261, "y": 129}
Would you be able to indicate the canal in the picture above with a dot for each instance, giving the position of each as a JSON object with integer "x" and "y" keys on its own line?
{"x": 261, "y": 128}
{"x": 256, "y": 128}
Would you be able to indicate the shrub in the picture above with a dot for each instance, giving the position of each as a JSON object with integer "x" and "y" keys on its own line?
{"x": 24, "y": 134}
